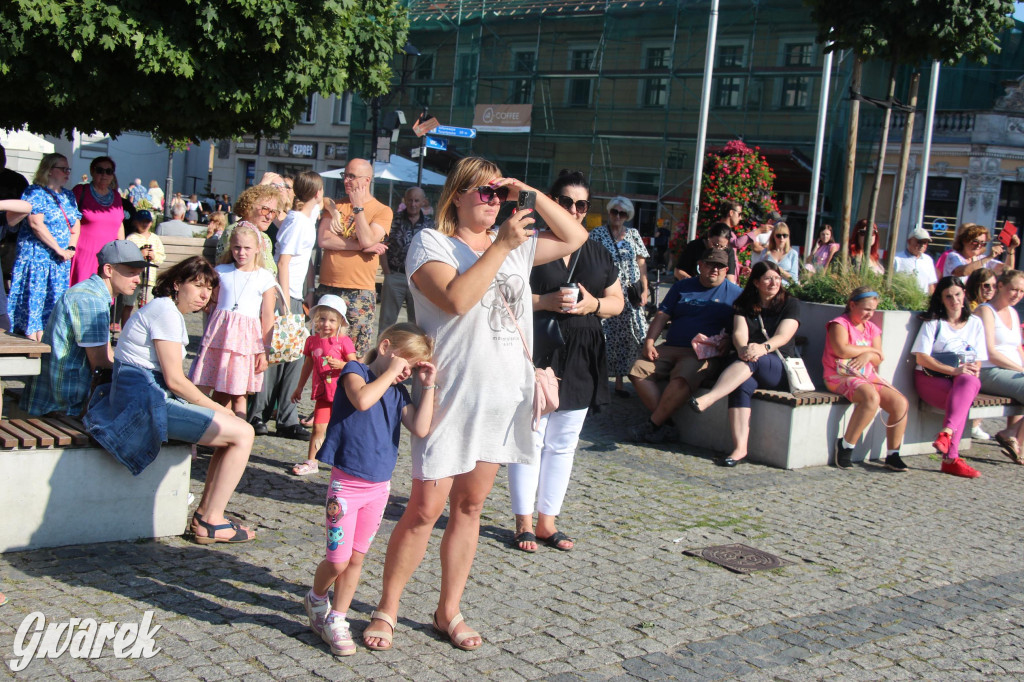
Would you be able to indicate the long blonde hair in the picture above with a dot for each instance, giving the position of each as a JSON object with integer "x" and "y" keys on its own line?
{"x": 243, "y": 227}
{"x": 306, "y": 186}
{"x": 408, "y": 340}
{"x": 469, "y": 172}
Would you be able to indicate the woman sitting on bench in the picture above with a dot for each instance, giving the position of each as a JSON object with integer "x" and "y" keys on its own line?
{"x": 853, "y": 353}
{"x": 150, "y": 401}
{"x": 766, "y": 318}
{"x": 1003, "y": 372}
{"x": 948, "y": 348}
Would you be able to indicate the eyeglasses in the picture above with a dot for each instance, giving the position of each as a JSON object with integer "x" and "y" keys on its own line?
{"x": 486, "y": 192}
{"x": 103, "y": 170}
{"x": 582, "y": 205}
{"x": 63, "y": 169}
{"x": 348, "y": 176}
{"x": 714, "y": 266}
{"x": 781, "y": 236}
{"x": 267, "y": 210}
{"x": 977, "y": 243}
{"x": 989, "y": 285}
{"x": 617, "y": 212}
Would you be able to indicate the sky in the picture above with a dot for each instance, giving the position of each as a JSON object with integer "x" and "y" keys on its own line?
{"x": 1019, "y": 12}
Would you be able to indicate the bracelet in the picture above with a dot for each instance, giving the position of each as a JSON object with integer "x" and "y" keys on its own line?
{"x": 431, "y": 386}
{"x": 598, "y": 306}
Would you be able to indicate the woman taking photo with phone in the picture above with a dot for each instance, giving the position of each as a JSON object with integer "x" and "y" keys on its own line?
{"x": 472, "y": 293}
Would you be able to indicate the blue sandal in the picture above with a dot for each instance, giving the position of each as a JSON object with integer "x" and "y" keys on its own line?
{"x": 239, "y": 537}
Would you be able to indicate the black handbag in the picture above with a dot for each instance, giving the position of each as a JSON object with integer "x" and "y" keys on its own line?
{"x": 945, "y": 357}
{"x": 635, "y": 294}
{"x": 547, "y": 334}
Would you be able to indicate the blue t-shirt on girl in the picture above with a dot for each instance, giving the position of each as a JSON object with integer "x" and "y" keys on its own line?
{"x": 364, "y": 443}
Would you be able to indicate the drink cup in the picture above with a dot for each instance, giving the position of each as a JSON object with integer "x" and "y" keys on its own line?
{"x": 570, "y": 294}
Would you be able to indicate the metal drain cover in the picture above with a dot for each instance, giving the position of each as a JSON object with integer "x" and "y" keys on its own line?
{"x": 739, "y": 558}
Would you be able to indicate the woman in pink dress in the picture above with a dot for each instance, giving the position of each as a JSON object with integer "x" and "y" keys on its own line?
{"x": 102, "y": 217}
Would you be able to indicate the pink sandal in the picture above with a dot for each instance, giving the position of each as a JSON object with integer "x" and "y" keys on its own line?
{"x": 306, "y": 468}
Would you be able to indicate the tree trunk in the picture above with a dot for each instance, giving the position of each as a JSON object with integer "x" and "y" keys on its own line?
{"x": 869, "y": 237}
{"x": 901, "y": 179}
{"x": 851, "y": 161}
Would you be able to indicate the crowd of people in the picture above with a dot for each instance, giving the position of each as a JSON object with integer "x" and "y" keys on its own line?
{"x": 488, "y": 303}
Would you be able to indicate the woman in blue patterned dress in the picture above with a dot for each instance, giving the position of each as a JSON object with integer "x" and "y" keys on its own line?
{"x": 42, "y": 269}
{"x": 625, "y": 332}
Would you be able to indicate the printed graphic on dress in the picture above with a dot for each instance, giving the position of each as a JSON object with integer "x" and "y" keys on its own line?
{"x": 512, "y": 287}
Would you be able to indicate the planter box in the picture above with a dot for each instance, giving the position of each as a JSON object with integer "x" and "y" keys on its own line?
{"x": 76, "y": 495}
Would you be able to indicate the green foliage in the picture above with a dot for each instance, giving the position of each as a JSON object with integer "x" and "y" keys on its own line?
{"x": 188, "y": 69}
{"x": 835, "y": 284}
{"x": 912, "y": 31}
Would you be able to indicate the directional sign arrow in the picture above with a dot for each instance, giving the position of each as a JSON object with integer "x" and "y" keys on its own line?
{"x": 450, "y": 131}
{"x": 434, "y": 143}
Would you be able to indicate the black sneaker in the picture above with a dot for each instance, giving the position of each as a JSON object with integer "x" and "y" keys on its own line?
{"x": 259, "y": 427}
{"x": 894, "y": 462}
{"x": 294, "y": 432}
{"x": 843, "y": 455}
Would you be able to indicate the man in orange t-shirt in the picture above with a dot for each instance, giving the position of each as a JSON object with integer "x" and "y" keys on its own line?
{"x": 352, "y": 244}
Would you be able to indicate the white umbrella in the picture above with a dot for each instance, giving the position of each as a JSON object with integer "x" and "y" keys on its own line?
{"x": 400, "y": 169}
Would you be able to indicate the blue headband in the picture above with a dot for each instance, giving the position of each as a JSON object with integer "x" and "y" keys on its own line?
{"x": 866, "y": 294}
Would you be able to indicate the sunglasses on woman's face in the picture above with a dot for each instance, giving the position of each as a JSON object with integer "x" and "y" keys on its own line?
{"x": 582, "y": 205}
{"x": 977, "y": 243}
{"x": 617, "y": 212}
{"x": 103, "y": 170}
{"x": 486, "y": 192}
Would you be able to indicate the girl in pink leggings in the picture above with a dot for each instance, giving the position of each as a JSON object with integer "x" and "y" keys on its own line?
{"x": 949, "y": 349}
{"x": 361, "y": 446}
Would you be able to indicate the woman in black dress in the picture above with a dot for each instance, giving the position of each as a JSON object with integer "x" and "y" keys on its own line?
{"x": 580, "y": 365}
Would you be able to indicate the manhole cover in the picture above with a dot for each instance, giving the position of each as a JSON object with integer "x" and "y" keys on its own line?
{"x": 739, "y": 558}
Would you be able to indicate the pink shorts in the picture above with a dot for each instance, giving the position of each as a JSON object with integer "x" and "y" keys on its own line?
{"x": 355, "y": 509}
{"x": 322, "y": 412}
{"x": 846, "y": 385}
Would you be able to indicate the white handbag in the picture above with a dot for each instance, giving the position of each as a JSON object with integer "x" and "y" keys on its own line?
{"x": 796, "y": 370}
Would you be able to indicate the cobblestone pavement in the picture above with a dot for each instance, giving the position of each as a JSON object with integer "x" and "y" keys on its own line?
{"x": 894, "y": 576}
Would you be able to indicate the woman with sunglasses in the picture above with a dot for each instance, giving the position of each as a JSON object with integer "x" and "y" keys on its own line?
{"x": 981, "y": 287}
{"x": 625, "y": 332}
{"x": 860, "y": 235}
{"x": 102, "y": 217}
{"x": 1003, "y": 372}
{"x": 42, "y": 269}
{"x": 781, "y": 253}
{"x": 968, "y": 253}
{"x": 258, "y": 205}
{"x": 579, "y": 364}
{"x": 472, "y": 291}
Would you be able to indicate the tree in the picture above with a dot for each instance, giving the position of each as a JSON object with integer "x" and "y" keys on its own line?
{"x": 188, "y": 69}
{"x": 904, "y": 32}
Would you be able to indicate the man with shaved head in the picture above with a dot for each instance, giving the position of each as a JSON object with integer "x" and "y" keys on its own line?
{"x": 353, "y": 243}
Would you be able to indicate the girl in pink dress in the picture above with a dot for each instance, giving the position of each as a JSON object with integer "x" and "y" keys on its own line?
{"x": 102, "y": 217}
{"x": 232, "y": 357}
{"x": 326, "y": 351}
{"x": 853, "y": 353}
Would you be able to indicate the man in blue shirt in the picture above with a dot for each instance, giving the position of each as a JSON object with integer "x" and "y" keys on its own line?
{"x": 697, "y": 305}
{"x": 78, "y": 333}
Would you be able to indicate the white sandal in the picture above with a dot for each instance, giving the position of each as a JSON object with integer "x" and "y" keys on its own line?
{"x": 380, "y": 634}
{"x": 306, "y": 468}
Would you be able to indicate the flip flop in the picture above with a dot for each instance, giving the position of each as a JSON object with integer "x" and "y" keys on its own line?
{"x": 555, "y": 538}
{"x": 380, "y": 634}
{"x": 525, "y": 536}
{"x": 306, "y": 468}
{"x": 1007, "y": 446}
{"x": 3, "y": 599}
{"x": 457, "y": 640}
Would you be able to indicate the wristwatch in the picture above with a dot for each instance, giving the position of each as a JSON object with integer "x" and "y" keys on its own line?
{"x": 357, "y": 209}
{"x": 768, "y": 347}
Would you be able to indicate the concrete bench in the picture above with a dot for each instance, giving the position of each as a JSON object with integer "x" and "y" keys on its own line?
{"x": 57, "y": 487}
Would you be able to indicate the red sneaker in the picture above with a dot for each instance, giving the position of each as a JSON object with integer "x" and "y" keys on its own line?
{"x": 958, "y": 467}
{"x": 942, "y": 442}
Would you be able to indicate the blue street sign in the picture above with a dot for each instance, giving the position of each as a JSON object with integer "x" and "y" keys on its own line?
{"x": 434, "y": 143}
{"x": 449, "y": 131}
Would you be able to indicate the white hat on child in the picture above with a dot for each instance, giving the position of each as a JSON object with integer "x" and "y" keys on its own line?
{"x": 335, "y": 303}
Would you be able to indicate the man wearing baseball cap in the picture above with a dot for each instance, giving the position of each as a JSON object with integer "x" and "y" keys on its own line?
{"x": 78, "y": 333}
{"x": 696, "y": 305}
{"x": 915, "y": 260}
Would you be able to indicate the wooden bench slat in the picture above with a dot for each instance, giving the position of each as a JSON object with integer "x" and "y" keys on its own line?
{"x": 25, "y": 440}
{"x": 43, "y": 439}
{"x": 74, "y": 428}
{"x": 8, "y": 441}
{"x": 61, "y": 438}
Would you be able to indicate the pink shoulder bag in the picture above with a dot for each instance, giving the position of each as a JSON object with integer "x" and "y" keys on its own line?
{"x": 545, "y": 383}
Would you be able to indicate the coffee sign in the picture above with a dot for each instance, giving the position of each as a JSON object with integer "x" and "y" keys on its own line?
{"x": 502, "y": 118}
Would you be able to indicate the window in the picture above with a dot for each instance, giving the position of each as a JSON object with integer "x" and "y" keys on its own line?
{"x": 309, "y": 115}
{"x": 465, "y": 79}
{"x": 424, "y": 71}
{"x": 656, "y": 89}
{"x": 641, "y": 182}
{"x": 729, "y": 89}
{"x": 796, "y": 90}
{"x": 342, "y": 108}
{"x": 579, "y": 89}
{"x": 524, "y": 62}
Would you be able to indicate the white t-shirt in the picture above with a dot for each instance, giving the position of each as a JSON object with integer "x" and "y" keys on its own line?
{"x": 955, "y": 260}
{"x": 296, "y": 238}
{"x": 159, "y": 319}
{"x": 923, "y": 268}
{"x": 243, "y": 288}
{"x": 968, "y": 339}
{"x": 484, "y": 401}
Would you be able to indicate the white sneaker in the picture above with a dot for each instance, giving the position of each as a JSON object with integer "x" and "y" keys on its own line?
{"x": 317, "y": 612}
{"x": 336, "y": 634}
{"x": 979, "y": 433}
